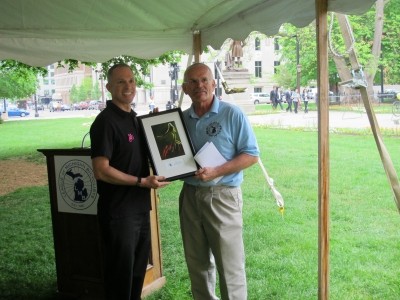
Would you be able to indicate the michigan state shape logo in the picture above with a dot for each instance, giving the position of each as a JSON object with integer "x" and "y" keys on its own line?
{"x": 76, "y": 184}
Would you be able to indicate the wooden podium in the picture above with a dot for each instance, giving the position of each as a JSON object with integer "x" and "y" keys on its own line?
{"x": 77, "y": 244}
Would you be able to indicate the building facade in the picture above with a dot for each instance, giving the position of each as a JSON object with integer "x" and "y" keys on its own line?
{"x": 254, "y": 74}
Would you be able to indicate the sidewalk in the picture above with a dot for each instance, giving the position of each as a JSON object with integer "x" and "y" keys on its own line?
{"x": 336, "y": 120}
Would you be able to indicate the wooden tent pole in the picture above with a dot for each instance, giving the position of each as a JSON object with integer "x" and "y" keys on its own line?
{"x": 323, "y": 148}
{"x": 196, "y": 54}
{"x": 182, "y": 93}
{"x": 197, "y": 46}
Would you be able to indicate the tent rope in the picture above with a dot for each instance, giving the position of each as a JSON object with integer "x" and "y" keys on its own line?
{"x": 278, "y": 197}
{"x": 331, "y": 48}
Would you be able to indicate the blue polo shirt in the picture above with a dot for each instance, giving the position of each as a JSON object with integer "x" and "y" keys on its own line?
{"x": 229, "y": 129}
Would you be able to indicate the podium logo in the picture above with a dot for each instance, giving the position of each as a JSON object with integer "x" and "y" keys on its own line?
{"x": 77, "y": 184}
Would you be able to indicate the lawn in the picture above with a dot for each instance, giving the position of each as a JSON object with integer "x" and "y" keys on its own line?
{"x": 281, "y": 251}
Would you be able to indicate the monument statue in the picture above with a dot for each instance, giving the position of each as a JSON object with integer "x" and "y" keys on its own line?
{"x": 237, "y": 53}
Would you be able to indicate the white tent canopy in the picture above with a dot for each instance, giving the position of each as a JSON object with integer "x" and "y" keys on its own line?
{"x": 42, "y": 32}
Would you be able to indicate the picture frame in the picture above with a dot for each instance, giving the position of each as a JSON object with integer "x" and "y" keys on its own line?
{"x": 171, "y": 149}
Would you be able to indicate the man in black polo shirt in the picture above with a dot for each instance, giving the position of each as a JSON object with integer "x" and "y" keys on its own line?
{"x": 120, "y": 165}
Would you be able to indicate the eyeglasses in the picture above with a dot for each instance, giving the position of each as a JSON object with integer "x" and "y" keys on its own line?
{"x": 194, "y": 82}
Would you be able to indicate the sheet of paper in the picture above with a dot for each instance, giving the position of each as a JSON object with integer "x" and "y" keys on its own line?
{"x": 209, "y": 156}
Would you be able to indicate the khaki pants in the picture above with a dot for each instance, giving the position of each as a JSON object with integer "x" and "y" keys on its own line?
{"x": 211, "y": 227}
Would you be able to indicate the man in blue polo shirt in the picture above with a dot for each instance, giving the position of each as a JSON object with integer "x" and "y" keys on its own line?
{"x": 211, "y": 212}
{"x": 120, "y": 165}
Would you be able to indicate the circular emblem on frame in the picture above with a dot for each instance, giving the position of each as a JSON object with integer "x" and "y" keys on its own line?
{"x": 77, "y": 184}
{"x": 213, "y": 129}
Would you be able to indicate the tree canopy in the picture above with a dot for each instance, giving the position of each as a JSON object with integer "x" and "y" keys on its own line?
{"x": 363, "y": 27}
{"x": 18, "y": 80}
{"x": 141, "y": 67}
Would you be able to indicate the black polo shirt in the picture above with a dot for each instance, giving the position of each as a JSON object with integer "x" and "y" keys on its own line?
{"x": 116, "y": 135}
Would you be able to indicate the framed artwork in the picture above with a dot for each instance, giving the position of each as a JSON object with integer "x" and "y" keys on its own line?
{"x": 171, "y": 149}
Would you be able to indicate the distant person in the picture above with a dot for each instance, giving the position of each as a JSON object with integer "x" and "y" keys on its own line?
{"x": 274, "y": 97}
{"x": 304, "y": 95}
{"x": 310, "y": 94}
{"x": 296, "y": 99}
{"x": 288, "y": 96}
{"x": 278, "y": 98}
{"x": 151, "y": 104}
{"x": 120, "y": 165}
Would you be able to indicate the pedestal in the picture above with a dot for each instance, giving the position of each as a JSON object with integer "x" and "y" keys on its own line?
{"x": 237, "y": 79}
{"x": 4, "y": 116}
{"x": 77, "y": 244}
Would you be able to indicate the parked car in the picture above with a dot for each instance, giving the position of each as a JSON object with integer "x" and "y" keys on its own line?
{"x": 258, "y": 98}
{"x": 94, "y": 105}
{"x": 80, "y": 105}
{"x": 169, "y": 105}
{"x": 389, "y": 95}
{"x": 54, "y": 106}
{"x": 83, "y": 105}
{"x": 17, "y": 112}
{"x": 102, "y": 106}
{"x": 65, "y": 107}
{"x": 40, "y": 106}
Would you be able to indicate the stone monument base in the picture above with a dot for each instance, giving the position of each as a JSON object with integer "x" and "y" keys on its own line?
{"x": 238, "y": 78}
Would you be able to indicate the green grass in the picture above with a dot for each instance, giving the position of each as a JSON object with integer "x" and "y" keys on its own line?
{"x": 281, "y": 252}
{"x": 23, "y": 138}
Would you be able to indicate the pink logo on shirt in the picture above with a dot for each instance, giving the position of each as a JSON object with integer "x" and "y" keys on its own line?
{"x": 130, "y": 137}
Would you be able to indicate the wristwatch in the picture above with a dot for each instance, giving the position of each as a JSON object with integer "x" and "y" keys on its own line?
{"x": 139, "y": 180}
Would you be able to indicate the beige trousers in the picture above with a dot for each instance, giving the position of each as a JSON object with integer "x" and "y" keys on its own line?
{"x": 211, "y": 227}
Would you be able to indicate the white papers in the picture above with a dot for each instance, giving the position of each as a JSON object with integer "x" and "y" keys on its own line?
{"x": 209, "y": 156}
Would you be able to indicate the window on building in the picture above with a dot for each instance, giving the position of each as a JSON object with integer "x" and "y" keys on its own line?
{"x": 45, "y": 81}
{"x": 257, "y": 89}
{"x": 257, "y": 44}
{"x": 163, "y": 82}
{"x": 257, "y": 69}
{"x": 276, "y": 64}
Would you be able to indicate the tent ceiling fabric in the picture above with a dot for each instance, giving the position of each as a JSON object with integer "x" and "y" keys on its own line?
{"x": 42, "y": 32}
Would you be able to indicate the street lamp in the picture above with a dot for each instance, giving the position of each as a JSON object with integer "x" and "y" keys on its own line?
{"x": 100, "y": 76}
{"x": 217, "y": 67}
{"x": 36, "y": 108}
{"x": 381, "y": 69}
{"x": 173, "y": 73}
{"x": 298, "y": 66}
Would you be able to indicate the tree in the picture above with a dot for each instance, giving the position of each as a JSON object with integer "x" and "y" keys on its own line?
{"x": 18, "y": 80}
{"x": 96, "y": 93}
{"x": 369, "y": 46}
{"x": 74, "y": 94}
{"x": 141, "y": 67}
{"x": 368, "y": 36}
{"x": 391, "y": 42}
